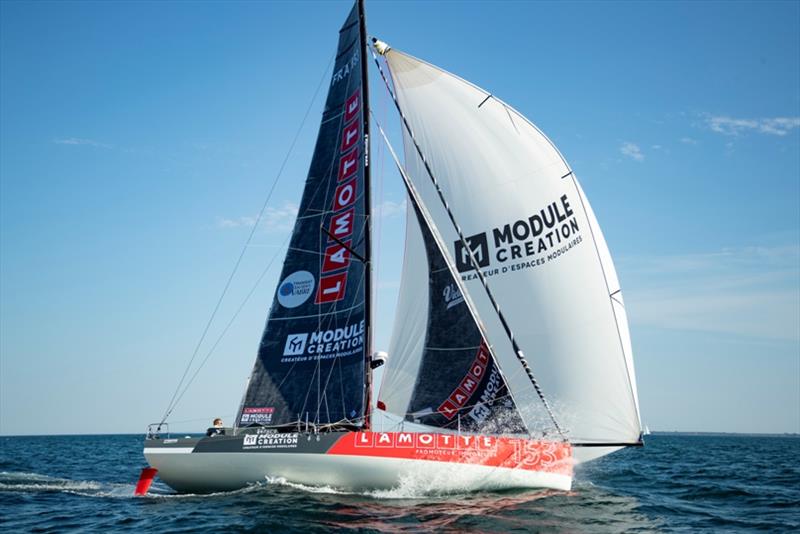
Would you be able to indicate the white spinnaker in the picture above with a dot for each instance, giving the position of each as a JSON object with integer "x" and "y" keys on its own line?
{"x": 495, "y": 168}
{"x": 410, "y": 324}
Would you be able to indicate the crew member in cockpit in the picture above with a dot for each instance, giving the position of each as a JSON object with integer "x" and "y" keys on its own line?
{"x": 217, "y": 430}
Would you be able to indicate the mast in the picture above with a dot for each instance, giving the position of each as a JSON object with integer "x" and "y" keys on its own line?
{"x": 362, "y": 18}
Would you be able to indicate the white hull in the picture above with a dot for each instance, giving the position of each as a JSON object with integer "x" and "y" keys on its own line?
{"x": 200, "y": 473}
{"x": 340, "y": 465}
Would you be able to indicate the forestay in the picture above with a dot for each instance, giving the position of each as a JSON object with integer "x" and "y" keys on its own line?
{"x": 538, "y": 244}
{"x": 311, "y": 363}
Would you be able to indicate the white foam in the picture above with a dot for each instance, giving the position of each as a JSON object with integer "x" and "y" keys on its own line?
{"x": 36, "y": 483}
{"x": 280, "y": 481}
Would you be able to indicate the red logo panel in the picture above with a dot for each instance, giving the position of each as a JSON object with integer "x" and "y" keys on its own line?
{"x": 459, "y": 397}
{"x": 345, "y": 195}
{"x": 350, "y": 135}
{"x": 352, "y": 106}
{"x": 342, "y": 224}
{"x": 331, "y": 288}
{"x": 448, "y": 409}
{"x": 336, "y": 257}
{"x": 348, "y": 165}
{"x": 469, "y": 384}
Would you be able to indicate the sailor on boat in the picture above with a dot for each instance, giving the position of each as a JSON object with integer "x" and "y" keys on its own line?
{"x": 218, "y": 428}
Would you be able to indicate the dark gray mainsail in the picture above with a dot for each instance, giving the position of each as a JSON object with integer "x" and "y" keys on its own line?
{"x": 312, "y": 362}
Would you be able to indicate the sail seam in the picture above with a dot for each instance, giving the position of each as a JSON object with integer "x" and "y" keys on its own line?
{"x": 346, "y": 50}
{"x": 345, "y": 28}
{"x": 331, "y": 118}
{"x": 329, "y": 314}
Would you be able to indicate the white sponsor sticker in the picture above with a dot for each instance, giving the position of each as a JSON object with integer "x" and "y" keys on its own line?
{"x": 295, "y": 344}
{"x": 295, "y": 289}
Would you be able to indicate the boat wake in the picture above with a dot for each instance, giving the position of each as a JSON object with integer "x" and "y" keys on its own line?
{"x": 410, "y": 488}
{"x": 280, "y": 481}
{"x": 20, "y": 482}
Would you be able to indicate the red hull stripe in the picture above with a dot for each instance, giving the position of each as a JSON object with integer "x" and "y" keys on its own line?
{"x": 491, "y": 451}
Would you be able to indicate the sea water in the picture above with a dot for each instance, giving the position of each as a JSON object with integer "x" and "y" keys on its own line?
{"x": 677, "y": 482}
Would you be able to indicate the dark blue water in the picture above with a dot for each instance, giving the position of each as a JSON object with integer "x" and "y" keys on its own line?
{"x": 676, "y": 483}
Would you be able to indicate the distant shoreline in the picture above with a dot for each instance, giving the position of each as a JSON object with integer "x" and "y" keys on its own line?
{"x": 652, "y": 433}
{"x": 751, "y": 434}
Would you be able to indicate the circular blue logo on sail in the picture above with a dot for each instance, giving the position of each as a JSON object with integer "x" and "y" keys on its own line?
{"x": 295, "y": 289}
{"x": 286, "y": 289}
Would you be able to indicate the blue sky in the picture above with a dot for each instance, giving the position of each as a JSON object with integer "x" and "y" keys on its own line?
{"x": 138, "y": 141}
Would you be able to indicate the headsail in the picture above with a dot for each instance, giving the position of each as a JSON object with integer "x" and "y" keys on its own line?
{"x": 537, "y": 242}
{"x": 441, "y": 373}
{"x": 311, "y": 363}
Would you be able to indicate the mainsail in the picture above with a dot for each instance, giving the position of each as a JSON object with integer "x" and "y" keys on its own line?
{"x": 537, "y": 243}
{"x": 312, "y": 360}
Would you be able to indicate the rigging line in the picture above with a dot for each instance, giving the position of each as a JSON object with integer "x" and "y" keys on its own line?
{"x": 341, "y": 386}
{"x": 318, "y": 371}
{"x": 230, "y": 323}
{"x": 333, "y": 361}
{"x": 322, "y": 245}
{"x": 473, "y": 261}
{"x": 171, "y": 405}
{"x": 224, "y": 416}
{"x": 329, "y": 316}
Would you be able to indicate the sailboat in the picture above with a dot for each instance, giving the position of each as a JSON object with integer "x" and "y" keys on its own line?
{"x": 510, "y": 359}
